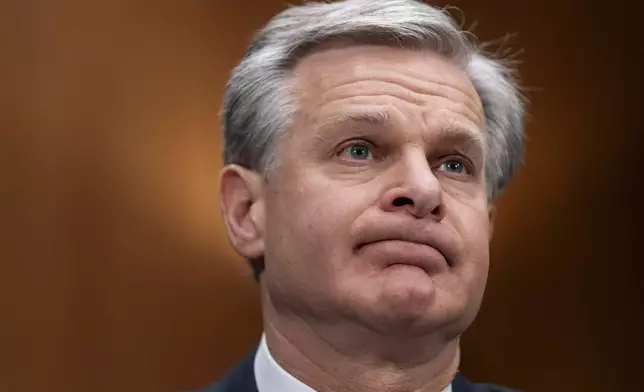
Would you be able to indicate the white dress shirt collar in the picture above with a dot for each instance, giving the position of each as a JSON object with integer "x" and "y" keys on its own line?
{"x": 271, "y": 377}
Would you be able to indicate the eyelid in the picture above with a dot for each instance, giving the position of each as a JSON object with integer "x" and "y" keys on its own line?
{"x": 341, "y": 147}
{"x": 470, "y": 168}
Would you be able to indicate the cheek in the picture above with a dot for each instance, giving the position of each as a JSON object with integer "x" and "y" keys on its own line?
{"x": 474, "y": 270}
{"x": 471, "y": 222}
{"x": 469, "y": 276}
{"x": 308, "y": 226}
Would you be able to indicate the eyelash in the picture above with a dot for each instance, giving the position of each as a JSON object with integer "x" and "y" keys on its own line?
{"x": 462, "y": 159}
{"x": 468, "y": 167}
{"x": 356, "y": 142}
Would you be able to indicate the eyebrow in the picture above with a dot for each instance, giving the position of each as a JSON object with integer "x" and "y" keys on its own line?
{"x": 455, "y": 133}
{"x": 450, "y": 132}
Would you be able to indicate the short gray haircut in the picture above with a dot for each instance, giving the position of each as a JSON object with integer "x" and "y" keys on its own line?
{"x": 257, "y": 105}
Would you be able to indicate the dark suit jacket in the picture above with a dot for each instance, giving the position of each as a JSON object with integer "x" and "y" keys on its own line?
{"x": 242, "y": 379}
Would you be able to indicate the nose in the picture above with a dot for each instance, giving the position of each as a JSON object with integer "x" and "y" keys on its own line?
{"x": 414, "y": 190}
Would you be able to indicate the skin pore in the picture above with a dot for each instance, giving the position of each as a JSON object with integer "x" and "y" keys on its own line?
{"x": 374, "y": 224}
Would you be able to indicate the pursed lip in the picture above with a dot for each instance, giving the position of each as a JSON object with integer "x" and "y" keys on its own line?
{"x": 397, "y": 251}
{"x": 441, "y": 241}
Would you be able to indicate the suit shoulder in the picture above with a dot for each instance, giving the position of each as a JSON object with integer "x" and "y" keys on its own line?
{"x": 478, "y": 387}
{"x": 240, "y": 379}
{"x": 462, "y": 384}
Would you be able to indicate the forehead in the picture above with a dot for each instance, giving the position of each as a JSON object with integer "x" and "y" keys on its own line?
{"x": 419, "y": 84}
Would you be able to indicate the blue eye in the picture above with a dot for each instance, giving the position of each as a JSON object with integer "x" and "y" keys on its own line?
{"x": 359, "y": 151}
{"x": 453, "y": 166}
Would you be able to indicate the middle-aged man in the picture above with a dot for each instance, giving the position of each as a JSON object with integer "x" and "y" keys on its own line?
{"x": 365, "y": 143}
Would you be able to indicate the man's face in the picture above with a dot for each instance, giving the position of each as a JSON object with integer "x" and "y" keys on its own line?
{"x": 376, "y": 211}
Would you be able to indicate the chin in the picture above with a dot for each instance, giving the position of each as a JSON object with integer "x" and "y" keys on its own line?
{"x": 406, "y": 301}
{"x": 415, "y": 313}
{"x": 402, "y": 324}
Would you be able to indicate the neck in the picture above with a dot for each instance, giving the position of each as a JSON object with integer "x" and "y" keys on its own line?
{"x": 349, "y": 357}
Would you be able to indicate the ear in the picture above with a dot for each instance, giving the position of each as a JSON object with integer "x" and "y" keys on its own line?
{"x": 491, "y": 211}
{"x": 242, "y": 205}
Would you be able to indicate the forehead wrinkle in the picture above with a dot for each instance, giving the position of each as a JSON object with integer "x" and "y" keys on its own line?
{"x": 457, "y": 89}
{"x": 328, "y": 82}
{"x": 364, "y": 87}
{"x": 422, "y": 108}
{"x": 371, "y": 117}
{"x": 423, "y": 85}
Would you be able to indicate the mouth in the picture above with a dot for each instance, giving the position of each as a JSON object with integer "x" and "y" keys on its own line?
{"x": 390, "y": 253}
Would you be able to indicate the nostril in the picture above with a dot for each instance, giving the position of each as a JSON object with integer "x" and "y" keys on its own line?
{"x": 401, "y": 201}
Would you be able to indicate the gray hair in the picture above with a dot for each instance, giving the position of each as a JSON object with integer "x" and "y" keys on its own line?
{"x": 257, "y": 105}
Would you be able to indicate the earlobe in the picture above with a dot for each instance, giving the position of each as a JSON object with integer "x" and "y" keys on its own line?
{"x": 242, "y": 206}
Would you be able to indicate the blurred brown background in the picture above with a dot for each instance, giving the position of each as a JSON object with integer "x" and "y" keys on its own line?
{"x": 115, "y": 273}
